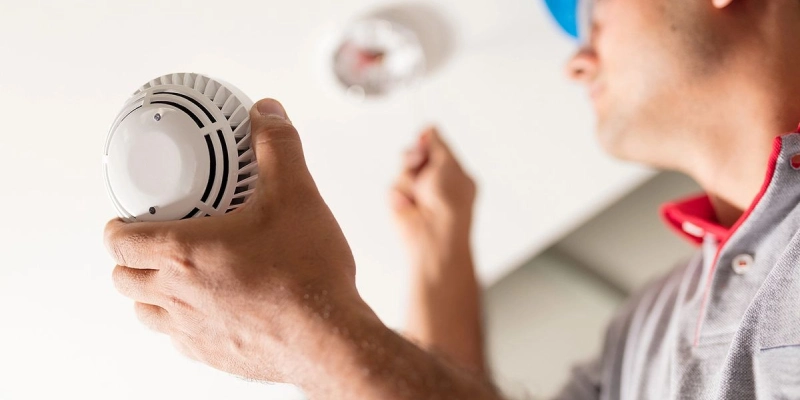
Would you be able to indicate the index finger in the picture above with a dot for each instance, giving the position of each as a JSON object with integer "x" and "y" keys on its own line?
{"x": 136, "y": 244}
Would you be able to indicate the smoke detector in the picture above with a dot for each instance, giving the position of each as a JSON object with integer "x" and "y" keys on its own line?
{"x": 180, "y": 148}
{"x": 375, "y": 56}
{"x": 385, "y": 50}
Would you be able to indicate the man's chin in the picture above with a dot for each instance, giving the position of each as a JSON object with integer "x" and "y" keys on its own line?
{"x": 609, "y": 136}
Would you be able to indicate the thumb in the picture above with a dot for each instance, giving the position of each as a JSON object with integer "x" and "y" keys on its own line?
{"x": 276, "y": 145}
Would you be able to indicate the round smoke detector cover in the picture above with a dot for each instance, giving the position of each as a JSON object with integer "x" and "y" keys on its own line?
{"x": 180, "y": 148}
{"x": 376, "y": 56}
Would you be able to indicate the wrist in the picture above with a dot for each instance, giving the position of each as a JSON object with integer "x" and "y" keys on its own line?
{"x": 451, "y": 254}
{"x": 338, "y": 351}
{"x": 353, "y": 355}
{"x": 364, "y": 359}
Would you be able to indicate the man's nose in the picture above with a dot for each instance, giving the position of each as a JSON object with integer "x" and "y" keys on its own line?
{"x": 582, "y": 67}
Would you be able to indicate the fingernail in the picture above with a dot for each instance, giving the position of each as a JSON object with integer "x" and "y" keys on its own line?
{"x": 269, "y": 107}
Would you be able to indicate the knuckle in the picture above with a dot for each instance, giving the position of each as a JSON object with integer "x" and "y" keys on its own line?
{"x": 124, "y": 246}
{"x": 275, "y": 130}
{"x": 178, "y": 252}
{"x": 113, "y": 243}
{"x": 176, "y": 303}
{"x": 180, "y": 262}
{"x": 148, "y": 316}
{"x": 108, "y": 234}
{"x": 117, "y": 273}
{"x": 120, "y": 279}
{"x": 119, "y": 255}
{"x": 111, "y": 229}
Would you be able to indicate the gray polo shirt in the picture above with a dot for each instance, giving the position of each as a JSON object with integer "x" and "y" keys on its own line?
{"x": 727, "y": 324}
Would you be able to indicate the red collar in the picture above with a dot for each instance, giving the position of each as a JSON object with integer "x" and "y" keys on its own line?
{"x": 694, "y": 217}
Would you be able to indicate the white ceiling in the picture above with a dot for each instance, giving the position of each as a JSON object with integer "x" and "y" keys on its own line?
{"x": 66, "y": 66}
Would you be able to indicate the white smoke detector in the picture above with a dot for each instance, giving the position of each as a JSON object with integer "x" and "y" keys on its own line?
{"x": 180, "y": 148}
{"x": 377, "y": 56}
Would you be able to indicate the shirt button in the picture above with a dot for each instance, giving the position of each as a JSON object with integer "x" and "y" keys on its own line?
{"x": 795, "y": 161}
{"x": 742, "y": 263}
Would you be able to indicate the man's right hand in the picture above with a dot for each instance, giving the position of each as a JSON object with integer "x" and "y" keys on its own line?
{"x": 268, "y": 292}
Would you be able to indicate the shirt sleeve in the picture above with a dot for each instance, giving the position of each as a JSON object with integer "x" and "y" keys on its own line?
{"x": 604, "y": 377}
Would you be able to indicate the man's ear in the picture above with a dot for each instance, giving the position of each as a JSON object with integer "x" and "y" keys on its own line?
{"x": 721, "y": 3}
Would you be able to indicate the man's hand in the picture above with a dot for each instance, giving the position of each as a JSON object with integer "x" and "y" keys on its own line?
{"x": 432, "y": 201}
{"x": 239, "y": 291}
{"x": 268, "y": 292}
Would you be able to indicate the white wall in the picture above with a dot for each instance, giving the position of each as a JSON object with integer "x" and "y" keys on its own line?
{"x": 542, "y": 319}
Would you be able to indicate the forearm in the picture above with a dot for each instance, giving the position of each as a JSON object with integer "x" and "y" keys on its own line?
{"x": 445, "y": 308}
{"x": 364, "y": 359}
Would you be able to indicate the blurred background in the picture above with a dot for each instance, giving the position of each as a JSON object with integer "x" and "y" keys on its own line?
{"x": 563, "y": 233}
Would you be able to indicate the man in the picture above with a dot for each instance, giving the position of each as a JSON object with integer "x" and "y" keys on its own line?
{"x": 706, "y": 87}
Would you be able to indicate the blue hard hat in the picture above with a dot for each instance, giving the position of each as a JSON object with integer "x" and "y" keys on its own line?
{"x": 566, "y": 14}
